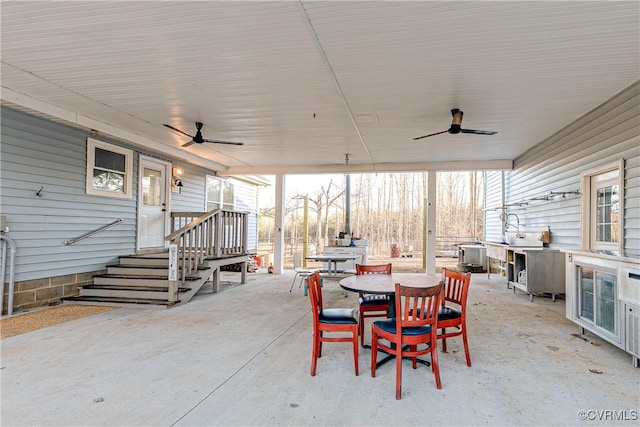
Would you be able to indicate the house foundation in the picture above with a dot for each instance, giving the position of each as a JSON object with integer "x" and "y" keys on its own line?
{"x": 46, "y": 291}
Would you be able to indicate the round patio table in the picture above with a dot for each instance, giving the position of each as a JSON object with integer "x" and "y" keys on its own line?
{"x": 385, "y": 284}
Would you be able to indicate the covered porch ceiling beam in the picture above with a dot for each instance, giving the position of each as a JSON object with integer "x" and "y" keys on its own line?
{"x": 498, "y": 164}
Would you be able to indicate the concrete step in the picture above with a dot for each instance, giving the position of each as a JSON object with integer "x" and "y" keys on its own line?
{"x": 135, "y": 292}
{"x": 119, "y": 302}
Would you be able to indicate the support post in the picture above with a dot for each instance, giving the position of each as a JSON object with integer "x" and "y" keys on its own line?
{"x": 173, "y": 274}
{"x": 278, "y": 238}
{"x": 431, "y": 222}
{"x": 347, "y": 205}
{"x": 243, "y": 274}
{"x": 305, "y": 232}
{"x": 215, "y": 280}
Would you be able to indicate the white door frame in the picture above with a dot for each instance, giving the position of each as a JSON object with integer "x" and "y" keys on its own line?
{"x": 167, "y": 196}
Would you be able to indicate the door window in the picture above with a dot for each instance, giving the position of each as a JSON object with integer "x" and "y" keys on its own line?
{"x": 151, "y": 187}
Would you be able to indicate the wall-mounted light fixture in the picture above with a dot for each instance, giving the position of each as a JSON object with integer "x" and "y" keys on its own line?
{"x": 176, "y": 180}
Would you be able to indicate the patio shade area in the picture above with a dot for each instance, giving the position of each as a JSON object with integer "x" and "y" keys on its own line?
{"x": 242, "y": 357}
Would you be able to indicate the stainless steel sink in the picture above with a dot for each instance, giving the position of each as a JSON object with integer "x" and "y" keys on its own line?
{"x": 520, "y": 240}
{"x": 524, "y": 245}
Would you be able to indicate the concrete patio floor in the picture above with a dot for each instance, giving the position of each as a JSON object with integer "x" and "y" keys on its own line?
{"x": 242, "y": 357}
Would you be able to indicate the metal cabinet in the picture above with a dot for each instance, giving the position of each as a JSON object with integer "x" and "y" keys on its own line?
{"x": 498, "y": 252}
{"x": 360, "y": 252}
{"x": 536, "y": 271}
{"x": 472, "y": 258}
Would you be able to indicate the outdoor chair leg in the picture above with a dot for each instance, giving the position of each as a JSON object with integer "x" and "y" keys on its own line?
{"x": 294, "y": 281}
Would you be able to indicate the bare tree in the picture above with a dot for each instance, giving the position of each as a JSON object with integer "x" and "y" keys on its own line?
{"x": 321, "y": 203}
{"x": 388, "y": 209}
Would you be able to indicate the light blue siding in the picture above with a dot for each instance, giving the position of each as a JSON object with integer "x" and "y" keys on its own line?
{"x": 192, "y": 197}
{"x": 36, "y": 153}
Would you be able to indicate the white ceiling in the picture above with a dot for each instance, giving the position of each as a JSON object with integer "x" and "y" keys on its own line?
{"x": 302, "y": 84}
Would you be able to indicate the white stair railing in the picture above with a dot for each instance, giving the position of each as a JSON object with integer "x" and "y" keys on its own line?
{"x": 213, "y": 234}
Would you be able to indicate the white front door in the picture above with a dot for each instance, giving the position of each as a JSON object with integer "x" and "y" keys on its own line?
{"x": 153, "y": 206}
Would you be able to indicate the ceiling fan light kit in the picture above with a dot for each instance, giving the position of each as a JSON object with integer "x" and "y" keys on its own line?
{"x": 456, "y": 127}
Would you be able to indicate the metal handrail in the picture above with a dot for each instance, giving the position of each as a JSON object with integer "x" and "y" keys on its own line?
{"x": 91, "y": 233}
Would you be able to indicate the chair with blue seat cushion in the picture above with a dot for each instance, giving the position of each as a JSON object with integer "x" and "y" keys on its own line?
{"x": 372, "y": 305}
{"x": 326, "y": 320}
{"x": 453, "y": 313}
{"x": 413, "y": 331}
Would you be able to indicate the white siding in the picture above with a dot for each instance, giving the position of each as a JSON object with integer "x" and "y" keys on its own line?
{"x": 493, "y": 206}
{"x": 606, "y": 134}
{"x": 632, "y": 204}
{"x": 247, "y": 201}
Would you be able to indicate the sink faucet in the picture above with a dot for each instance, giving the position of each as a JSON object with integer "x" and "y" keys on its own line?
{"x": 507, "y": 225}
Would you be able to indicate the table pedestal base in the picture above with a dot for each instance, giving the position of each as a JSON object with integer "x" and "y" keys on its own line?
{"x": 393, "y": 356}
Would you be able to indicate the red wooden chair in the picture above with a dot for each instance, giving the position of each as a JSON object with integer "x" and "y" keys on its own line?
{"x": 372, "y": 305}
{"x": 330, "y": 320}
{"x": 453, "y": 313}
{"x": 416, "y": 318}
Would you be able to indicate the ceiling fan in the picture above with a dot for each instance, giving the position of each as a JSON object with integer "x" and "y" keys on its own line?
{"x": 198, "y": 139}
{"x": 456, "y": 127}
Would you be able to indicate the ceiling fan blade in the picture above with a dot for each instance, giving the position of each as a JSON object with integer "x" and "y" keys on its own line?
{"x": 188, "y": 143}
{"x": 479, "y": 132}
{"x": 431, "y": 134}
{"x": 217, "y": 141}
{"x": 178, "y": 130}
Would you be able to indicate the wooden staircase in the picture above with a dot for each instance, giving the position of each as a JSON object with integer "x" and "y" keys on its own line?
{"x": 200, "y": 245}
{"x": 143, "y": 280}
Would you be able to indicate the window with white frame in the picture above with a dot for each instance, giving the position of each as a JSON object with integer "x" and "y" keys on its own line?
{"x": 109, "y": 169}
{"x": 602, "y": 192}
{"x": 220, "y": 194}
